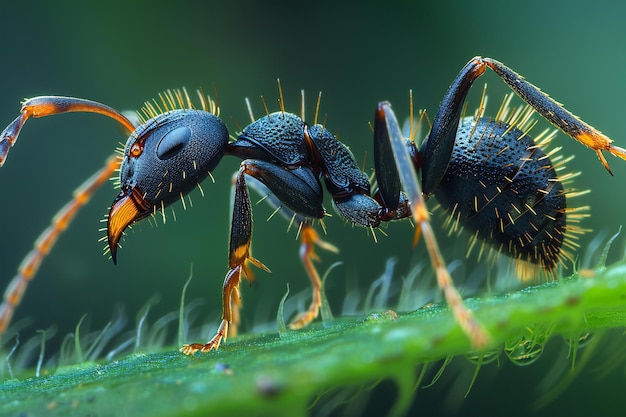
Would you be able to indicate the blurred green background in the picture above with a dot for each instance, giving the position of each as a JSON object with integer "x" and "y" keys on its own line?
{"x": 356, "y": 53}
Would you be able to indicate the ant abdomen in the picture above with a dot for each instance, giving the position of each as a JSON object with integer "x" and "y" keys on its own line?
{"x": 503, "y": 189}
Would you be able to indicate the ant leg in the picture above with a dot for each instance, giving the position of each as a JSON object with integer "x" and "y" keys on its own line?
{"x": 385, "y": 160}
{"x": 298, "y": 190}
{"x": 554, "y": 112}
{"x": 437, "y": 149}
{"x": 51, "y": 105}
{"x": 229, "y": 289}
{"x": 235, "y": 307}
{"x": 239, "y": 255}
{"x": 309, "y": 239}
{"x": 30, "y": 265}
{"x": 392, "y": 133}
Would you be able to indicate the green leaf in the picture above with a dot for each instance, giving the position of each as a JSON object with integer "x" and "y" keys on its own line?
{"x": 272, "y": 375}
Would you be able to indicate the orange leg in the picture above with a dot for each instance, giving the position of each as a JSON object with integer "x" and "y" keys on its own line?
{"x": 230, "y": 292}
{"x": 29, "y": 266}
{"x": 235, "y": 307}
{"x": 463, "y": 315}
{"x": 309, "y": 238}
{"x": 553, "y": 111}
{"x": 238, "y": 260}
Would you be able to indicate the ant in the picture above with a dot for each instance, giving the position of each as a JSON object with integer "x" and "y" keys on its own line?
{"x": 494, "y": 179}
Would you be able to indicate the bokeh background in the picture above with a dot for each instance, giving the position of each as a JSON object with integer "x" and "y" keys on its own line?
{"x": 357, "y": 54}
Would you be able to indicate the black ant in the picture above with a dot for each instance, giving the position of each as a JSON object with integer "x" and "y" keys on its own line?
{"x": 497, "y": 183}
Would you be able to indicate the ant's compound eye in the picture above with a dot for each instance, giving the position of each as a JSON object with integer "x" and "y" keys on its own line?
{"x": 173, "y": 142}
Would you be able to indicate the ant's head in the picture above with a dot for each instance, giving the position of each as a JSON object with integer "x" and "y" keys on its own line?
{"x": 164, "y": 159}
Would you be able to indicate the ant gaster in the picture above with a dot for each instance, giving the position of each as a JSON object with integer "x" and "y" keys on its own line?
{"x": 496, "y": 181}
